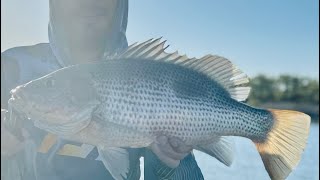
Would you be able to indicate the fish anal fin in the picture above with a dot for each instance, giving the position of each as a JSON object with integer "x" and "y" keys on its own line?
{"x": 116, "y": 161}
{"x": 222, "y": 150}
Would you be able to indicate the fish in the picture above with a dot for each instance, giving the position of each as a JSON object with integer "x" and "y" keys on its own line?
{"x": 129, "y": 99}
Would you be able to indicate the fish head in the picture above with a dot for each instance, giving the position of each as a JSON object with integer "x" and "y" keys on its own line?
{"x": 57, "y": 98}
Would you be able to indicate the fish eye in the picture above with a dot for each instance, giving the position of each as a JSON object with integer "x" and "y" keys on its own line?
{"x": 50, "y": 83}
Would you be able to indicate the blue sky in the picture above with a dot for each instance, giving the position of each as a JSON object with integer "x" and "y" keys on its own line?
{"x": 271, "y": 37}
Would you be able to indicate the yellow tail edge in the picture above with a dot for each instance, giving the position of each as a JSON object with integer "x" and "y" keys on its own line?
{"x": 285, "y": 142}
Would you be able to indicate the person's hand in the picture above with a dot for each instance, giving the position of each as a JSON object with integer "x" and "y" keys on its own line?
{"x": 170, "y": 150}
{"x": 10, "y": 145}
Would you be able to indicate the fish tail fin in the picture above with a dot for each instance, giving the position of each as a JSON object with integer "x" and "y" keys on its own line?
{"x": 285, "y": 142}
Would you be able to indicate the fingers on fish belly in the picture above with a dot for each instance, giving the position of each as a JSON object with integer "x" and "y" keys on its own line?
{"x": 281, "y": 150}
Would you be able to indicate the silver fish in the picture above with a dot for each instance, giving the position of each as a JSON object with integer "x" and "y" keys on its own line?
{"x": 130, "y": 99}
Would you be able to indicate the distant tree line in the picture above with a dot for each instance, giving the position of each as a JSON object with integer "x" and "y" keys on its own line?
{"x": 284, "y": 88}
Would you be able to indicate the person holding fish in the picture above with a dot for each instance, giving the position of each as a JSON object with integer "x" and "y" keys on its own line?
{"x": 141, "y": 101}
{"x": 80, "y": 31}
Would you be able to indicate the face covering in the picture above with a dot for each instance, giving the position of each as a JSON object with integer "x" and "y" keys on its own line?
{"x": 82, "y": 31}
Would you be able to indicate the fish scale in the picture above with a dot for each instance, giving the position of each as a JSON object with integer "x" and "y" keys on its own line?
{"x": 152, "y": 106}
{"x": 130, "y": 99}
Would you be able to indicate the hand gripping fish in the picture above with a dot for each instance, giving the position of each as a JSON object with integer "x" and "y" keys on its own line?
{"x": 130, "y": 99}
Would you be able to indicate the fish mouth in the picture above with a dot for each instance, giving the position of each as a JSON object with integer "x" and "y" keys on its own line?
{"x": 18, "y": 101}
{"x": 17, "y": 93}
{"x": 16, "y": 97}
{"x": 25, "y": 107}
{"x": 17, "y": 104}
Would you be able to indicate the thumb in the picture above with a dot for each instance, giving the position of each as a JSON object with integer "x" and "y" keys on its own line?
{"x": 179, "y": 146}
{"x": 163, "y": 157}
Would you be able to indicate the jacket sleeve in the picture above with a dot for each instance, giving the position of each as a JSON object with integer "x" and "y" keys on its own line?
{"x": 155, "y": 169}
{"x": 9, "y": 78}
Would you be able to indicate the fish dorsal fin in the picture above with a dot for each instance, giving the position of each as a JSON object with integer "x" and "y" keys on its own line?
{"x": 215, "y": 67}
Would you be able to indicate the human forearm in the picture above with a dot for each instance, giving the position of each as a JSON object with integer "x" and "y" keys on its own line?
{"x": 11, "y": 139}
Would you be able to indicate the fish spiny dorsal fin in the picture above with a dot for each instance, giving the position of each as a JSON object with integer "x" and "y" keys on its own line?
{"x": 161, "y": 53}
{"x": 153, "y": 51}
{"x": 133, "y": 49}
{"x": 132, "y": 45}
{"x": 140, "y": 53}
{"x": 215, "y": 67}
{"x": 169, "y": 56}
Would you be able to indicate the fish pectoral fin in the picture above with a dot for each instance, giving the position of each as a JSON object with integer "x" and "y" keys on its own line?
{"x": 222, "y": 149}
{"x": 116, "y": 161}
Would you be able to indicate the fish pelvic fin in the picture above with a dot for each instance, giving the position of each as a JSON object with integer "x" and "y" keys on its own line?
{"x": 281, "y": 150}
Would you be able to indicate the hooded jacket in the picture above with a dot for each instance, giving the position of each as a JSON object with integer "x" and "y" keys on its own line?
{"x": 73, "y": 31}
